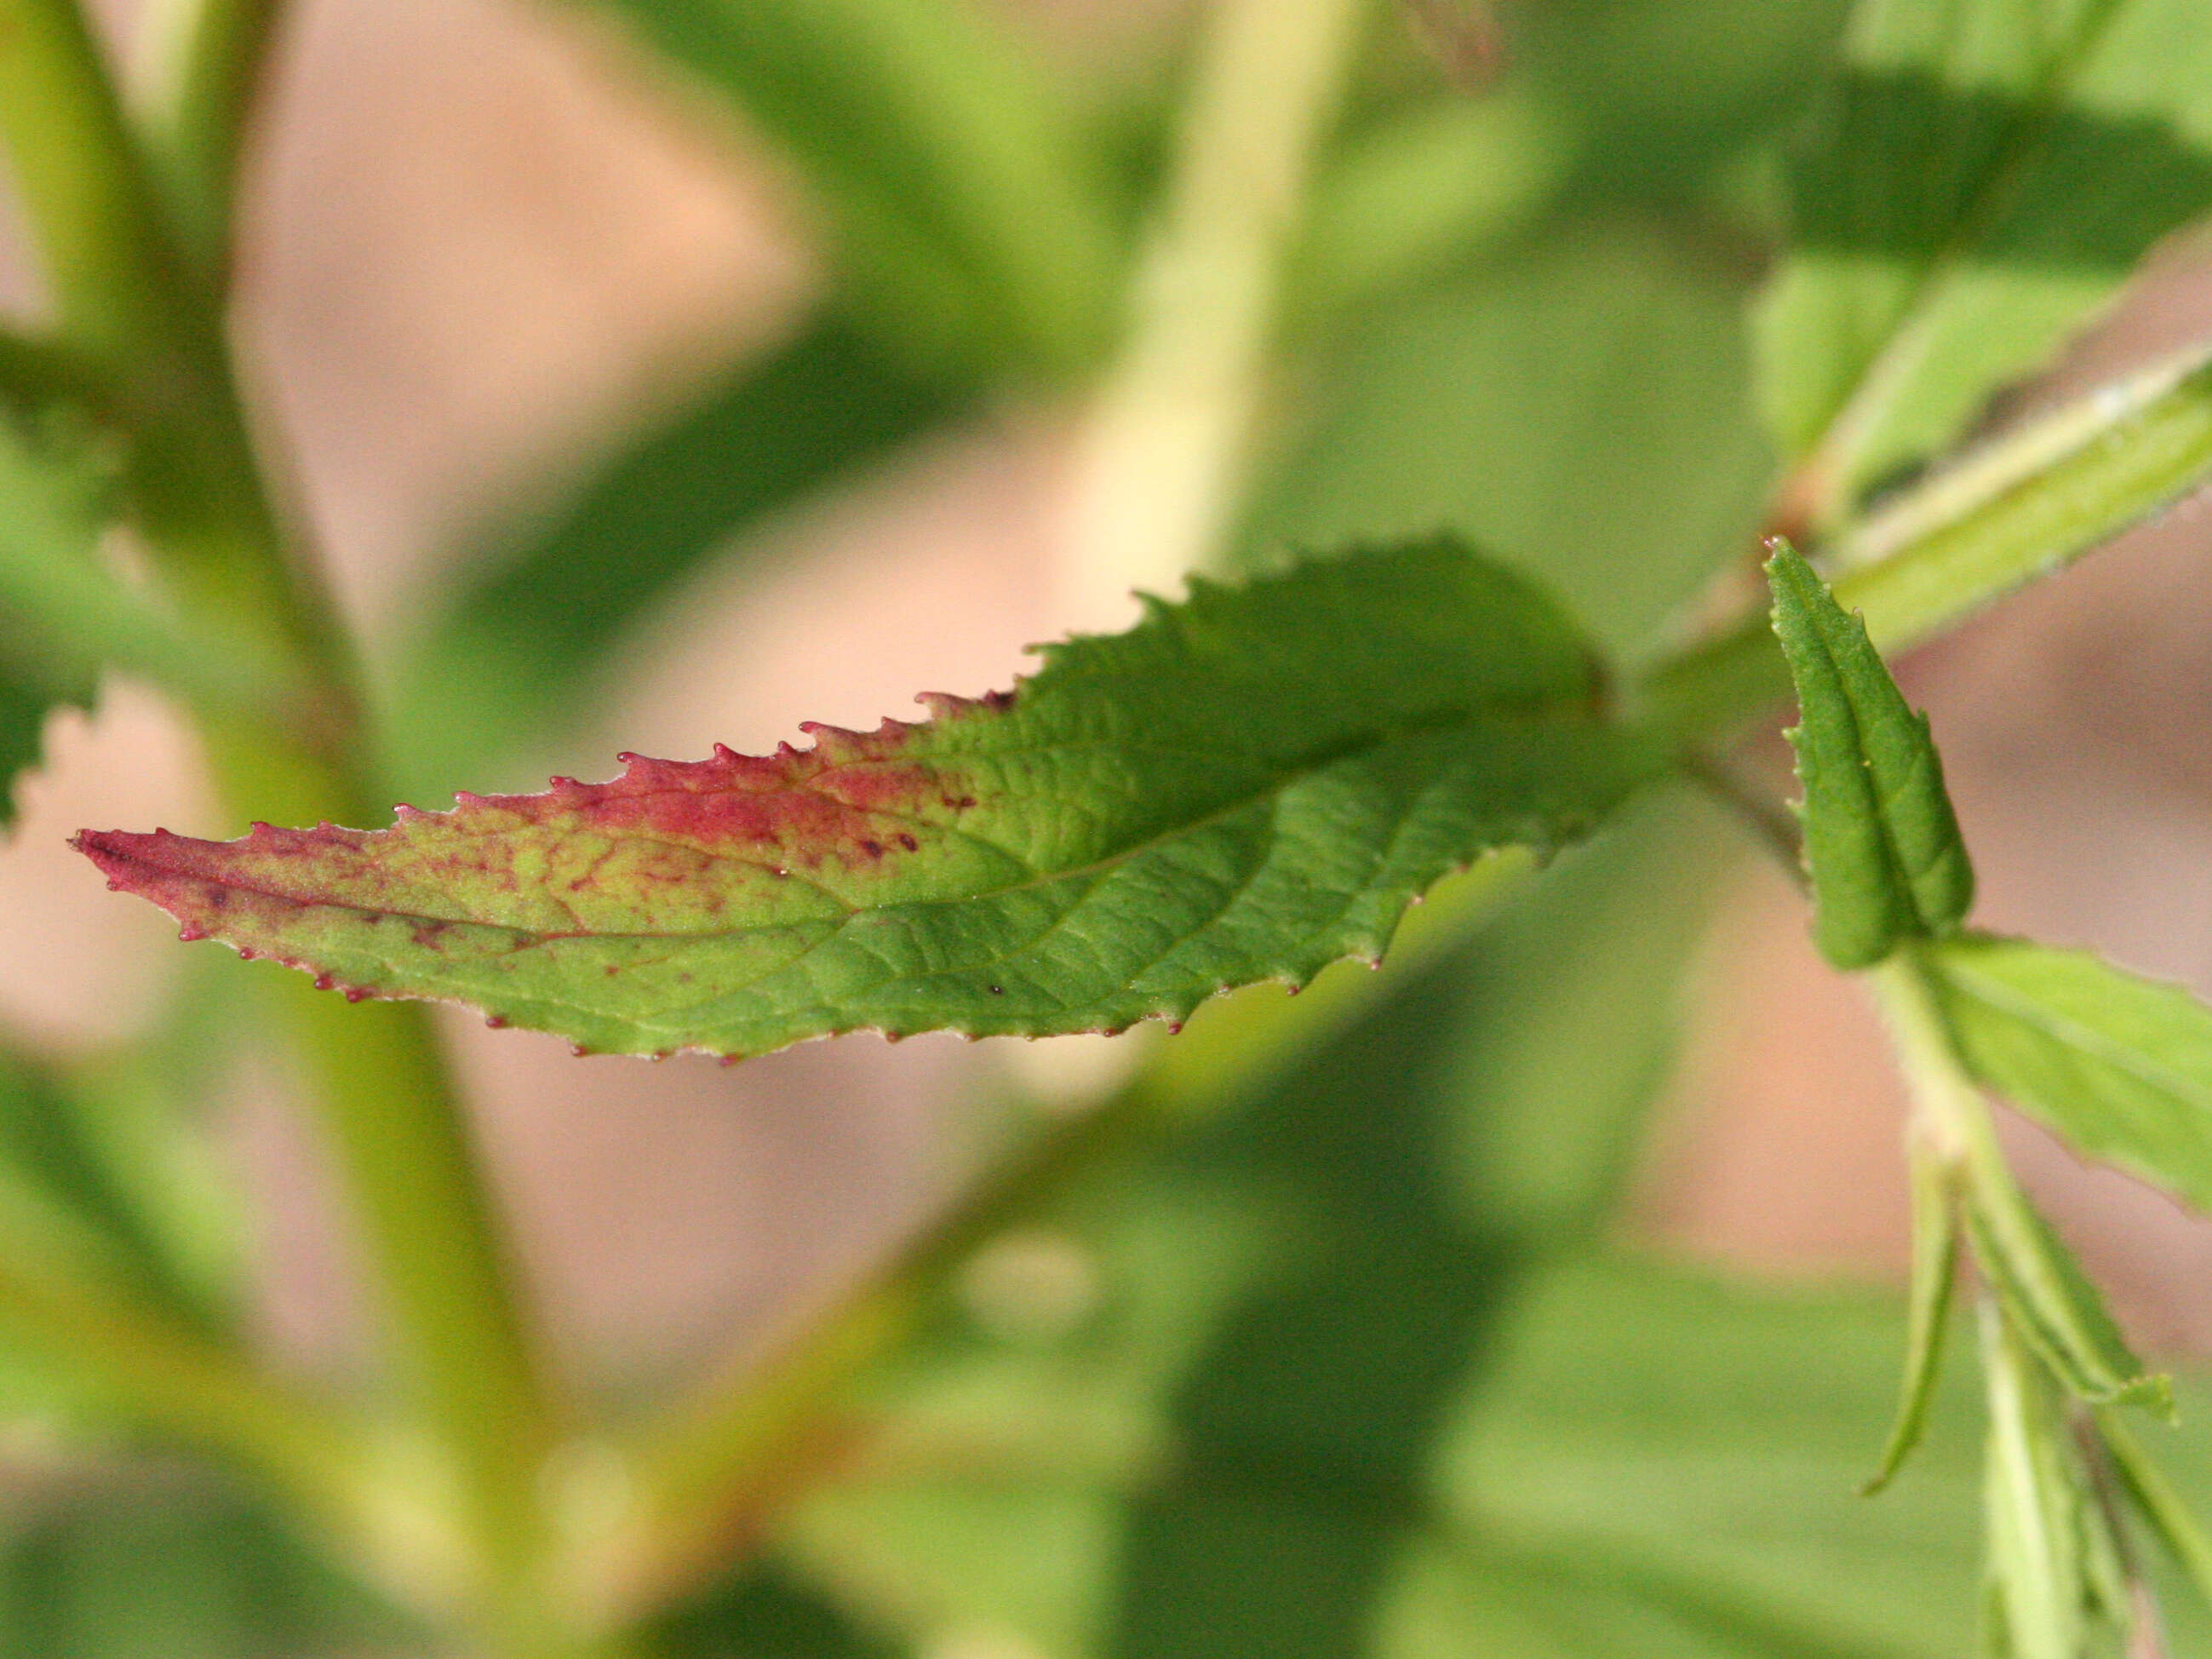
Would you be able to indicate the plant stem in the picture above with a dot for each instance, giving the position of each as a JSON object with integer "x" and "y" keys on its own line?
{"x": 109, "y": 267}
{"x": 1949, "y": 1116}
{"x": 1163, "y": 453}
{"x": 2018, "y": 508}
{"x": 121, "y": 291}
{"x": 712, "y": 1473}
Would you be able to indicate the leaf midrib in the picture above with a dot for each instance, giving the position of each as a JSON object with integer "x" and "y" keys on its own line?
{"x": 1351, "y": 749}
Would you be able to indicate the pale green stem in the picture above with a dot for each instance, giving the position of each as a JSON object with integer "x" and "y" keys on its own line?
{"x": 1163, "y": 453}
{"x": 2013, "y": 510}
{"x": 2037, "y": 1593}
{"x": 1949, "y": 1115}
{"x": 119, "y": 290}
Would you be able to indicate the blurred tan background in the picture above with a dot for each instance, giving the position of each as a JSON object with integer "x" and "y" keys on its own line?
{"x": 473, "y": 233}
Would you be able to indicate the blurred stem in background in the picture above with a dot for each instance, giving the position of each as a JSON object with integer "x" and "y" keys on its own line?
{"x": 1163, "y": 453}
{"x": 124, "y": 294}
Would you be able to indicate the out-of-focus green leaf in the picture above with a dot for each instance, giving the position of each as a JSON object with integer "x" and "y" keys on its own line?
{"x": 764, "y": 1614}
{"x": 1413, "y": 196}
{"x": 140, "y": 1123}
{"x": 1983, "y": 174}
{"x": 1579, "y": 412}
{"x": 2119, "y": 1066}
{"x": 2158, "y": 1499}
{"x": 519, "y": 651}
{"x": 1881, "y": 841}
{"x": 1572, "y": 1027}
{"x": 1664, "y": 94}
{"x": 42, "y": 1147}
{"x": 1248, "y": 785}
{"x": 40, "y": 376}
{"x": 968, "y": 220}
{"x": 1318, "y": 1407}
{"x": 43, "y": 521}
{"x": 166, "y": 1560}
{"x": 1662, "y": 1428}
{"x": 1934, "y": 1271}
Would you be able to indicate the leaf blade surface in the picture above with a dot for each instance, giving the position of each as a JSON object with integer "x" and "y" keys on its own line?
{"x": 1982, "y": 176}
{"x": 2118, "y": 1065}
{"x": 1881, "y": 841}
{"x": 1248, "y": 785}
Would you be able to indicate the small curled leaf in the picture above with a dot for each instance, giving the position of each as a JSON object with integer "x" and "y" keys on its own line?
{"x": 1881, "y": 841}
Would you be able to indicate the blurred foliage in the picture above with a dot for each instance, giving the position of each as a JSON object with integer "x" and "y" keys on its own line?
{"x": 127, "y": 1560}
{"x": 1363, "y": 1365}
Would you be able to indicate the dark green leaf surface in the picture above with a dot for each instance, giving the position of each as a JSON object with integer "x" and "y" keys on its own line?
{"x": 2119, "y": 1066}
{"x": 44, "y": 518}
{"x": 1880, "y": 840}
{"x": 1579, "y": 411}
{"x": 1249, "y": 786}
{"x": 1983, "y": 174}
{"x": 968, "y": 222}
{"x": 170, "y": 1561}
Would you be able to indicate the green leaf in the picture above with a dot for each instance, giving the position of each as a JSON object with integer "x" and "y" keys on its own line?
{"x": 1880, "y": 840}
{"x": 967, "y": 216}
{"x": 1664, "y": 95}
{"x": 1935, "y": 1271}
{"x": 1572, "y": 1026}
{"x": 44, "y": 526}
{"x": 1983, "y": 174}
{"x": 1247, "y": 786}
{"x": 1578, "y": 411}
{"x": 2119, "y": 1066}
{"x": 763, "y": 1613}
{"x": 170, "y": 1559}
{"x": 2048, "y": 1299}
{"x": 518, "y": 651}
